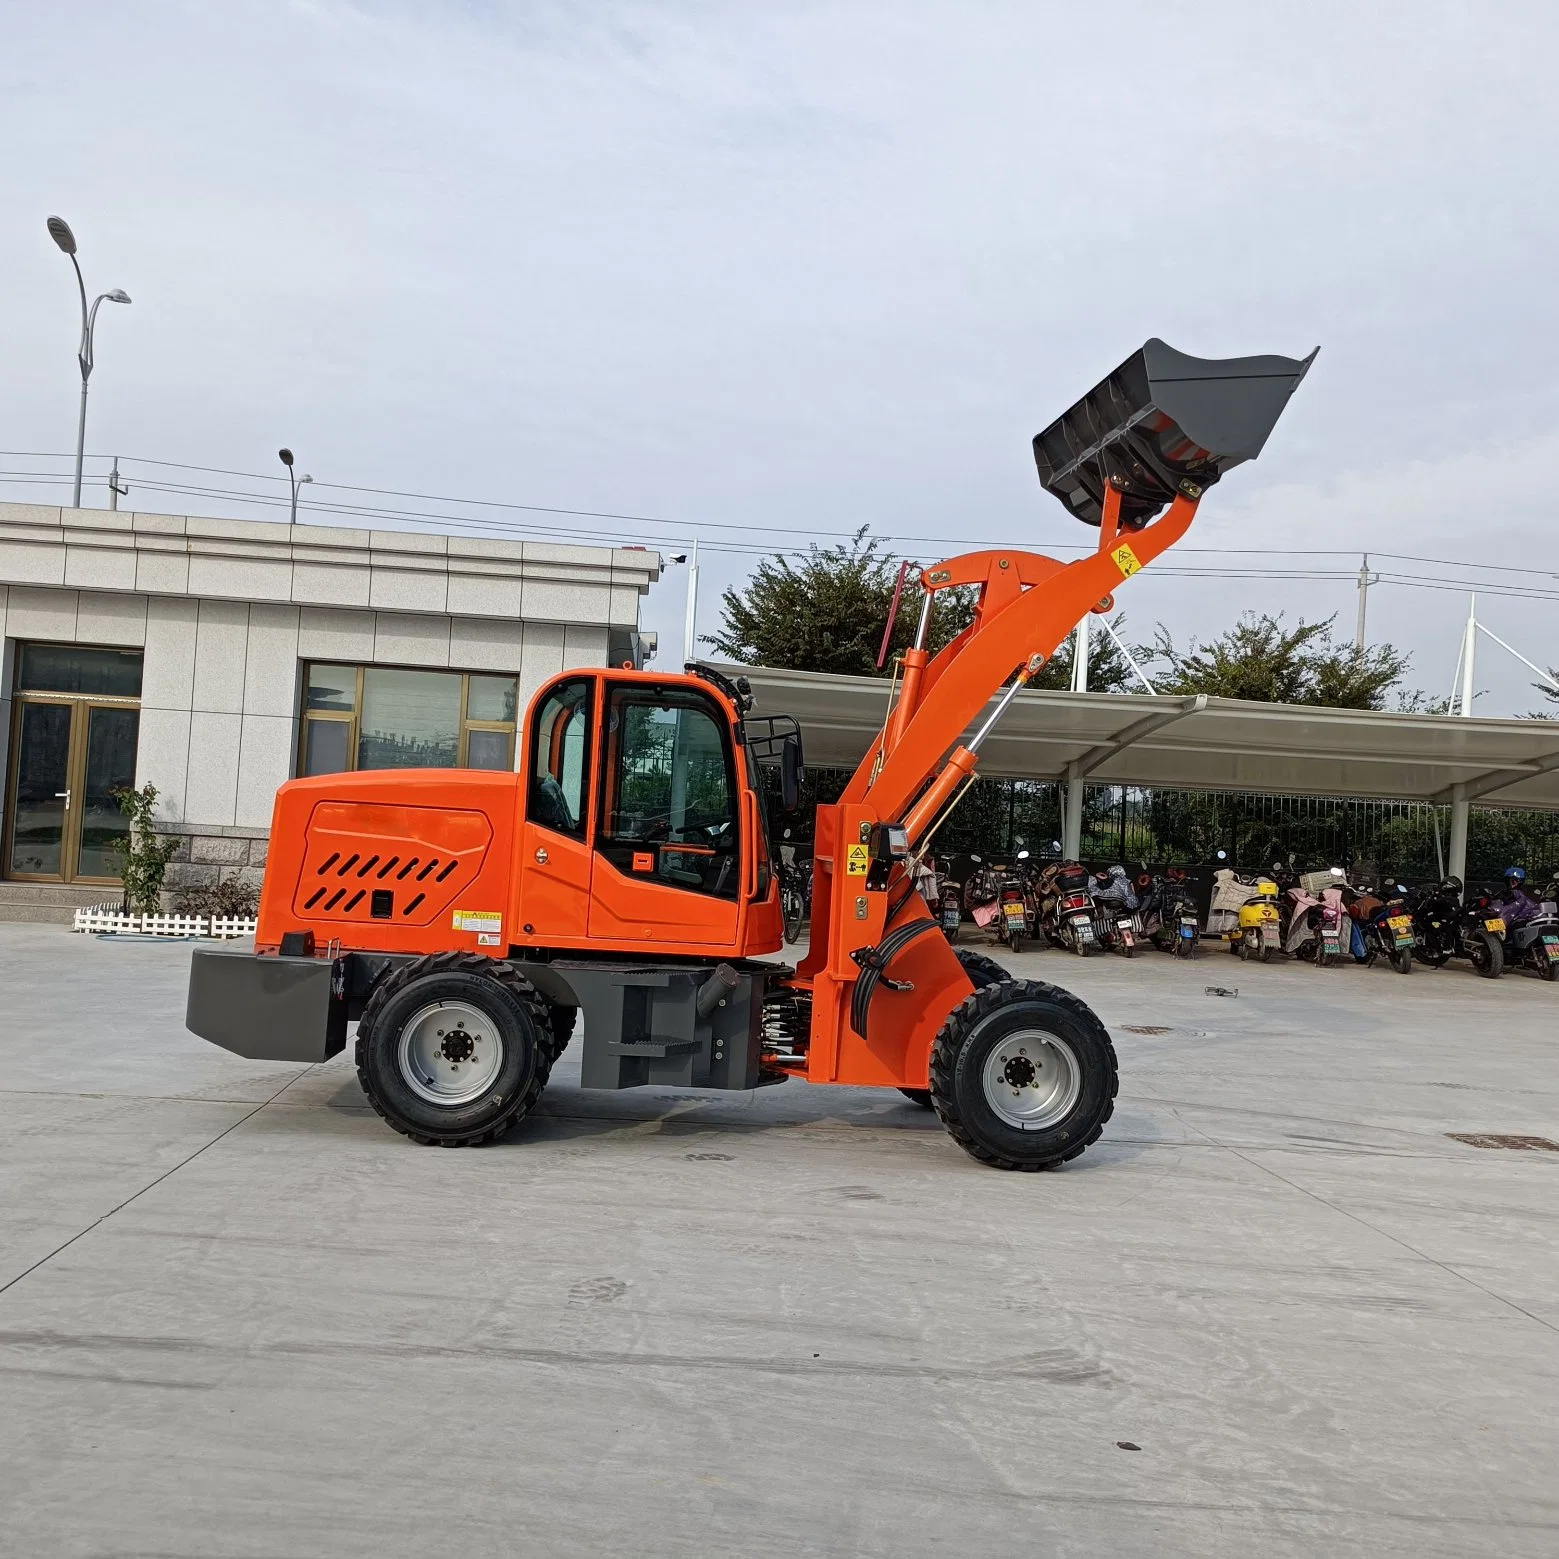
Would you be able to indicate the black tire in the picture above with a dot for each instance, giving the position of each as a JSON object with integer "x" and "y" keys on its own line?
{"x": 1237, "y": 946}
{"x": 1402, "y": 960}
{"x": 562, "y": 1019}
{"x": 973, "y": 1032}
{"x": 1547, "y": 969}
{"x": 1265, "y": 955}
{"x": 982, "y": 971}
{"x": 1244, "y": 949}
{"x": 1433, "y": 960}
{"x": 792, "y": 907}
{"x": 1486, "y": 954}
{"x": 520, "y": 1017}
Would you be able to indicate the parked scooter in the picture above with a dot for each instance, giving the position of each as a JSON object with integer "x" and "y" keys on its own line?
{"x": 1069, "y": 916}
{"x": 1116, "y": 924}
{"x": 1313, "y": 928}
{"x": 1258, "y": 935}
{"x": 1015, "y": 924}
{"x": 951, "y": 912}
{"x": 1531, "y": 927}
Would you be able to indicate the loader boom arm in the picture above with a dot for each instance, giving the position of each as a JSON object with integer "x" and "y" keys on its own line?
{"x": 1028, "y": 605}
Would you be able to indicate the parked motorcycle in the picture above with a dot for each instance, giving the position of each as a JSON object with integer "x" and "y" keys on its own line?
{"x": 1531, "y": 927}
{"x": 1069, "y": 909}
{"x": 1480, "y": 930}
{"x": 1387, "y": 927}
{"x": 1167, "y": 910}
{"x": 951, "y": 913}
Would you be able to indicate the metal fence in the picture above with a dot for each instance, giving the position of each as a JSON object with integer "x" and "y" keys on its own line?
{"x": 1179, "y": 827}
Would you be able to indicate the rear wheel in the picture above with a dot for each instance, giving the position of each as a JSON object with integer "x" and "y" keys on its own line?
{"x": 1402, "y": 960}
{"x": 454, "y": 1048}
{"x": 1023, "y": 1075}
{"x": 1547, "y": 969}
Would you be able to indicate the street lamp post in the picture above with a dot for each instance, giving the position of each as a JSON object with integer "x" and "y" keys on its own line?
{"x": 59, "y": 231}
{"x": 285, "y": 455}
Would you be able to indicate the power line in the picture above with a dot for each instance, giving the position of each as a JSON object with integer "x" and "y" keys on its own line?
{"x": 680, "y": 528}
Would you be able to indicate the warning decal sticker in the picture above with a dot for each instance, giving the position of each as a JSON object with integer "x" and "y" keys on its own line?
{"x": 482, "y": 921}
{"x": 1126, "y": 560}
{"x": 858, "y": 860}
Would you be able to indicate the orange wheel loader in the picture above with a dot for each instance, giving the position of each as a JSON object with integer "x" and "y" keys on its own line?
{"x": 465, "y": 919}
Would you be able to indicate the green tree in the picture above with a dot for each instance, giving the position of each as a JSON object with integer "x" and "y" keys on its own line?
{"x": 827, "y": 611}
{"x": 143, "y": 854}
{"x": 1260, "y": 658}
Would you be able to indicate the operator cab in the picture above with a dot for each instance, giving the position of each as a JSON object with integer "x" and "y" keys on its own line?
{"x": 644, "y": 819}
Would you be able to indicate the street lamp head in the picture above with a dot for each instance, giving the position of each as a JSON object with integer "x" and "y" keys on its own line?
{"x": 303, "y": 479}
{"x": 677, "y": 557}
{"x": 59, "y": 231}
{"x": 118, "y": 295}
{"x": 285, "y": 456}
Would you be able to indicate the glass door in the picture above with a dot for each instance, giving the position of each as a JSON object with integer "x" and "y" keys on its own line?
{"x": 70, "y": 758}
{"x": 40, "y": 791}
{"x": 107, "y": 767}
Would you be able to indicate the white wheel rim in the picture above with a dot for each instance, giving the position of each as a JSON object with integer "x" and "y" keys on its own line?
{"x": 449, "y": 1053}
{"x": 1032, "y": 1079}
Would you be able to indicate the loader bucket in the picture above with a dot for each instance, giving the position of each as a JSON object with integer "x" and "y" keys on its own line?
{"x": 1160, "y": 419}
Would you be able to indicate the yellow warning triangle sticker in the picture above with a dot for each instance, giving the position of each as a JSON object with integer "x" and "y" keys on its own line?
{"x": 1126, "y": 560}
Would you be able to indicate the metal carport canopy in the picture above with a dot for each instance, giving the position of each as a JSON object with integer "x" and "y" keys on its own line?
{"x": 1201, "y": 743}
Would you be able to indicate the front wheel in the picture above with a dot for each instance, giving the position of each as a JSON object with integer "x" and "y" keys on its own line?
{"x": 1487, "y": 955}
{"x": 1023, "y": 1075}
{"x": 454, "y": 1048}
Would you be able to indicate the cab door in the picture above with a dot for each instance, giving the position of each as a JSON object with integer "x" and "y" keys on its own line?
{"x": 555, "y": 855}
{"x": 670, "y": 867}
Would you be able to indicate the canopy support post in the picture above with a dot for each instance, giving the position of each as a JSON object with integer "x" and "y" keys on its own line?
{"x": 1460, "y": 808}
{"x": 1072, "y": 813}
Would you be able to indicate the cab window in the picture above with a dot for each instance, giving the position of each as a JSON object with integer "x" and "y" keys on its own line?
{"x": 560, "y": 759}
{"x": 669, "y": 807}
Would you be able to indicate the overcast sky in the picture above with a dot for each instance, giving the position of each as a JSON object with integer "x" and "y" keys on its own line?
{"x": 767, "y": 271}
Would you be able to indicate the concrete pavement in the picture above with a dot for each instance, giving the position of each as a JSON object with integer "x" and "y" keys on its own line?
{"x": 243, "y": 1318}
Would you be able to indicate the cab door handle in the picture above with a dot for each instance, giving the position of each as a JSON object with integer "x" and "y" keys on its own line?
{"x": 541, "y": 857}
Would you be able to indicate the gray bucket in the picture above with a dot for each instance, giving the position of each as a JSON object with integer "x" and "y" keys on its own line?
{"x": 1160, "y": 419}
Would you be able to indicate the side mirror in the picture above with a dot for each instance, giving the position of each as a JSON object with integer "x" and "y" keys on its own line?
{"x": 790, "y": 772}
{"x": 1023, "y": 855}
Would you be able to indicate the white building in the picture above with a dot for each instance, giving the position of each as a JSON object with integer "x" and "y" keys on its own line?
{"x": 218, "y": 658}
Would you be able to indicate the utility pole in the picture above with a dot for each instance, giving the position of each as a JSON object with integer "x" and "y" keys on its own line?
{"x": 115, "y": 490}
{"x": 1364, "y": 596}
{"x": 690, "y": 631}
{"x": 59, "y": 231}
{"x": 1460, "y": 809}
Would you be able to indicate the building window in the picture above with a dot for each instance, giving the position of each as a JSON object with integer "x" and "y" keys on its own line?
{"x": 381, "y": 717}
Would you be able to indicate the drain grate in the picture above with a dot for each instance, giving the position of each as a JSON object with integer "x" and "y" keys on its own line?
{"x": 1147, "y": 1028}
{"x": 1484, "y": 1139}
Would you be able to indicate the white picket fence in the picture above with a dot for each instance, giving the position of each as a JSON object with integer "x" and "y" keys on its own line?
{"x": 108, "y": 919}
